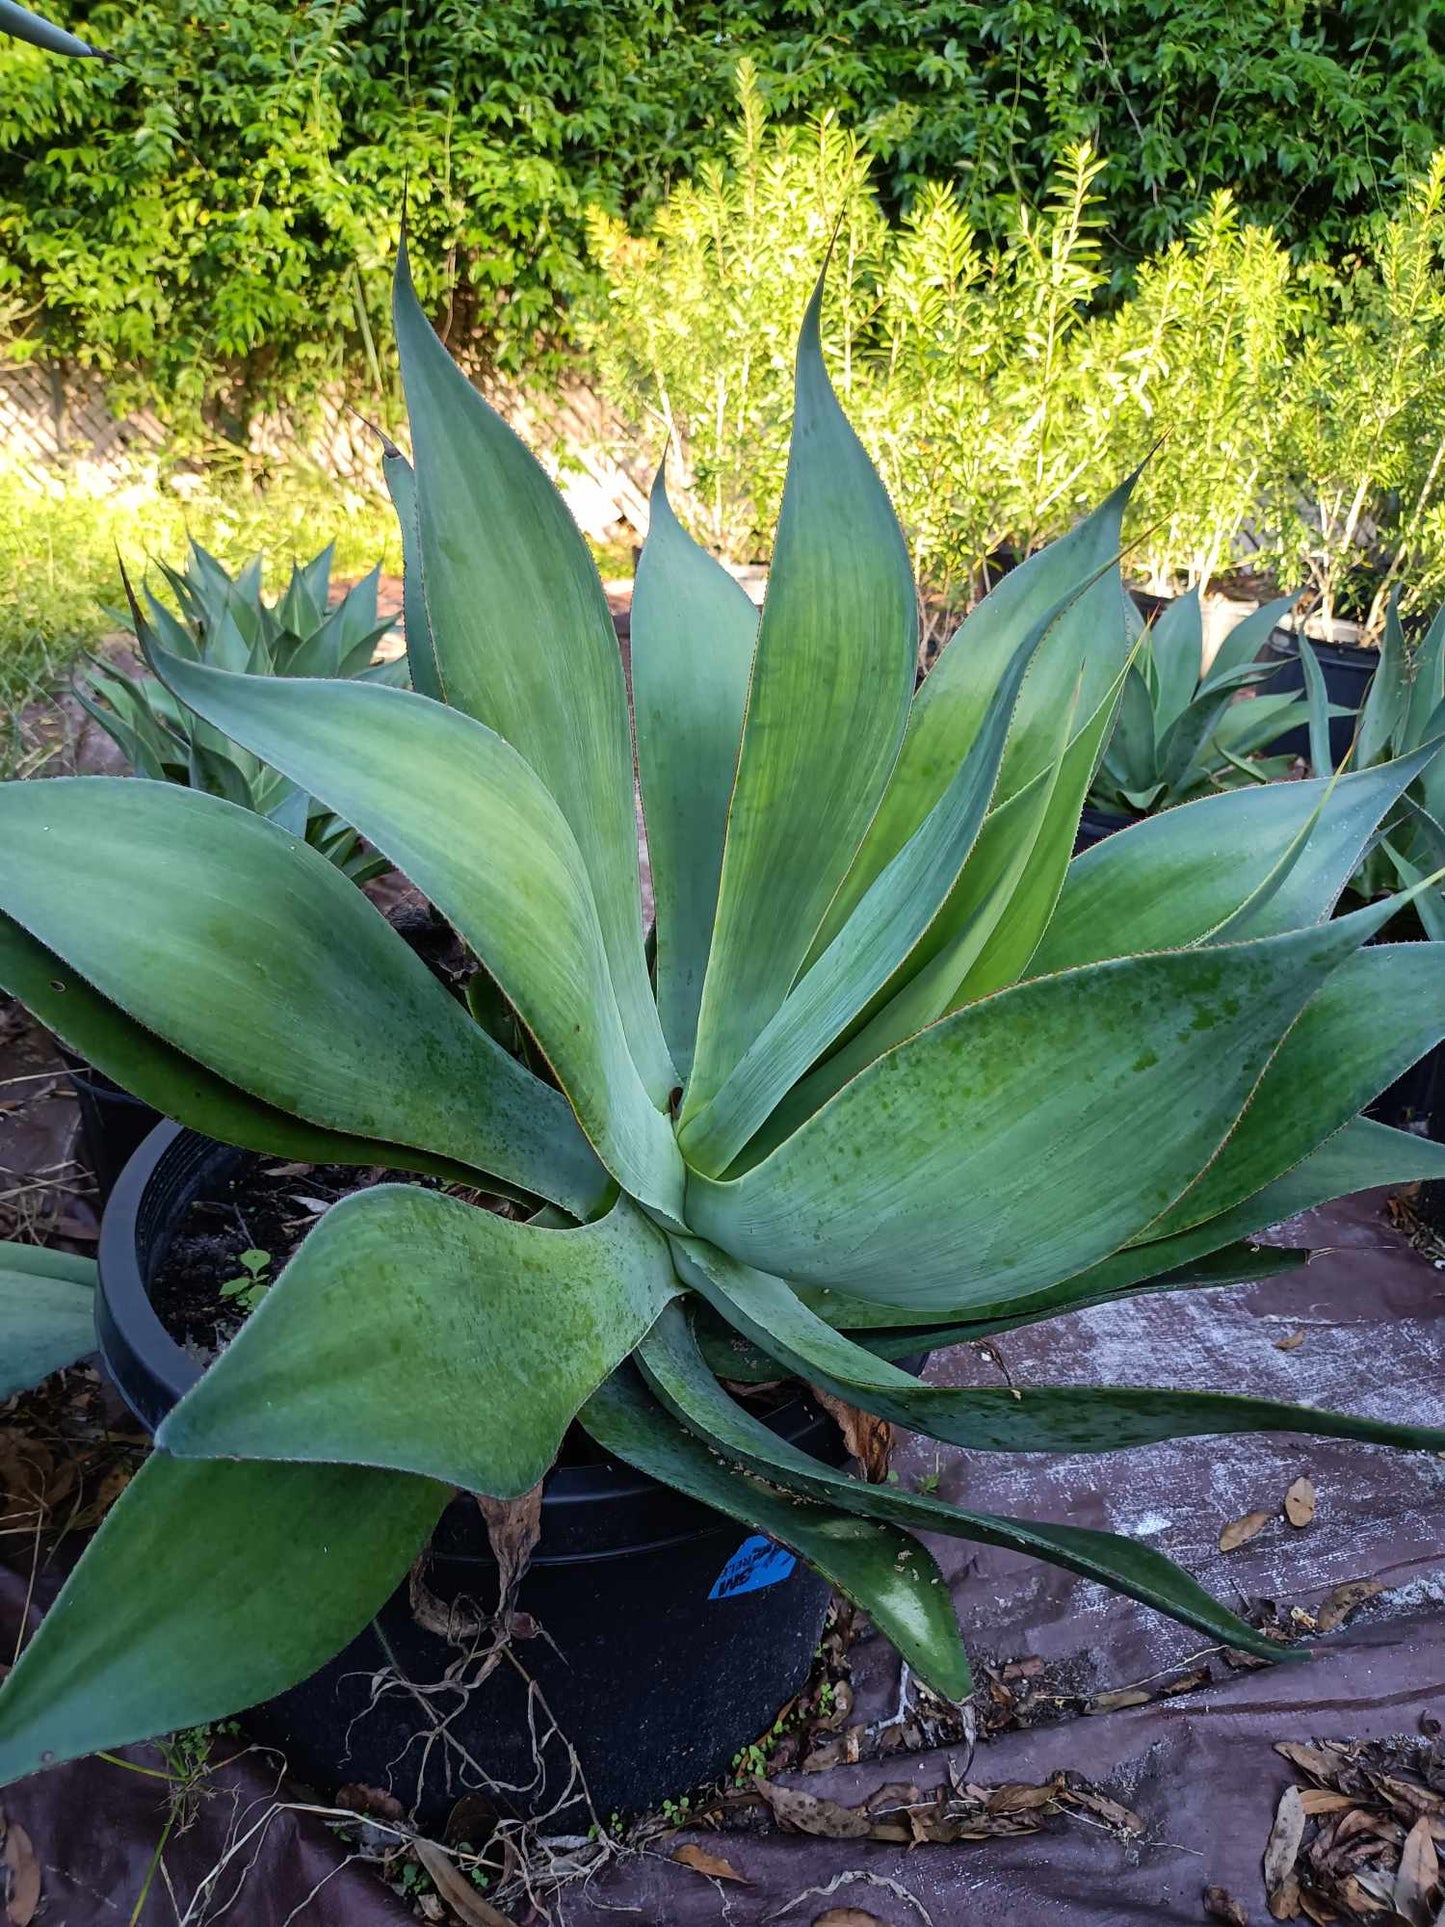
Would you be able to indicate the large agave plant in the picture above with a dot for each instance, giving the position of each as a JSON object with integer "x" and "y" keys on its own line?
{"x": 908, "y": 1077}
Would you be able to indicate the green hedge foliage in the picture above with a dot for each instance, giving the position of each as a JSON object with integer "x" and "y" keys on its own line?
{"x": 213, "y": 217}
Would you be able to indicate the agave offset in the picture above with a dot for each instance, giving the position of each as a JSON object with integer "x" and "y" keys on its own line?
{"x": 908, "y": 1075}
{"x": 226, "y": 622}
{"x": 1180, "y": 732}
{"x": 1403, "y": 710}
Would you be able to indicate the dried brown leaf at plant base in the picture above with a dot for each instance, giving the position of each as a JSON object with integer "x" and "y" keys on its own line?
{"x": 848, "y": 1917}
{"x": 1417, "y": 1881}
{"x": 513, "y": 1526}
{"x": 1299, "y": 1502}
{"x": 868, "y": 1438}
{"x": 22, "y": 1876}
{"x": 1289, "y": 1343}
{"x": 1345, "y": 1600}
{"x": 803, "y": 1813}
{"x": 1281, "y": 1852}
{"x": 712, "y": 1865}
{"x": 1220, "y": 1904}
{"x": 1240, "y": 1531}
{"x": 455, "y": 1889}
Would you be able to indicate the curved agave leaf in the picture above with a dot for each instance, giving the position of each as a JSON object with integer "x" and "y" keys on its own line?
{"x": 244, "y": 949}
{"x": 1172, "y": 879}
{"x": 47, "y": 1314}
{"x": 674, "y": 1368}
{"x": 1240, "y": 648}
{"x": 460, "y": 813}
{"x": 1427, "y": 691}
{"x": 1176, "y": 648}
{"x": 1378, "y": 1015}
{"x": 22, "y": 24}
{"x": 693, "y": 630}
{"x": 421, "y": 654}
{"x": 831, "y": 682}
{"x": 893, "y": 1332}
{"x": 1034, "y": 1418}
{"x": 1358, "y": 1158}
{"x": 988, "y": 928}
{"x": 888, "y": 1573}
{"x": 919, "y": 1183}
{"x": 420, "y": 1334}
{"x": 911, "y": 894}
{"x": 524, "y": 642}
{"x": 1361, "y": 1157}
{"x": 208, "y": 1587}
{"x": 949, "y": 708}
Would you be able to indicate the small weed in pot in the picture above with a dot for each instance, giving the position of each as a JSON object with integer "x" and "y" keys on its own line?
{"x": 907, "y": 1075}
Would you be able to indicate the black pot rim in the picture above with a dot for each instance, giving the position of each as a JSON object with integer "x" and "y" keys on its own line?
{"x": 136, "y": 1345}
{"x": 1362, "y": 656}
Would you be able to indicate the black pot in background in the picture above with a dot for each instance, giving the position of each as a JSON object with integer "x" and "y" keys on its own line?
{"x": 678, "y": 1634}
{"x": 1416, "y": 1100}
{"x": 113, "y": 1123}
{"x": 1149, "y": 605}
{"x": 1347, "y": 673}
{"x": 1096, "y": 824}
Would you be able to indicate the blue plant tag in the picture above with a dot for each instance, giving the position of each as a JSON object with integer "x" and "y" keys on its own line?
{"x": 756, "y": 1563}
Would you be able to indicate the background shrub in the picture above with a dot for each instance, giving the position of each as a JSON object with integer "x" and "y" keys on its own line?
{"x": 214, "y": 217}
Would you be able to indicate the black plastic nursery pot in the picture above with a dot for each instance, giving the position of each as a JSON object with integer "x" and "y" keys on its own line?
{"x": 113, "y": 1123}
{"x": 672, "y": 1634}
{"x": 1149, "y": 605}
{"x": 1347, "y": 671}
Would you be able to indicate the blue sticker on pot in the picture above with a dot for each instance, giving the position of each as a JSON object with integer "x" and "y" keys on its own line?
{"x": 756, "y": 1563}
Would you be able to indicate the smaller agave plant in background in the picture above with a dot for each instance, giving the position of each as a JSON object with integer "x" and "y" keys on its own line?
{"x": 1180, "y": 731}
{"x": 904, "y": 1074}
{"x": 226, "y": 622}
{"x": 1403, "y": 711}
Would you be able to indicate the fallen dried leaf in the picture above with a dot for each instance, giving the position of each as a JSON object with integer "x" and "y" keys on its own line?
{"x": 1121, "y": 1697}
{"x": 1344, "y": 1600}
{"x": 1240, "y": 1531}
{"x": 711, "y": 1864}
{"x": 1291, "y": 1343}
{"x": 1316, "y": 1911}
{"x": 1321, "y": 1763}
{"x": 455, "y": 1889}
{"x": 802, "y": 1813}
{"x": 374, "y": 1801}
{"x": 1418, "y": 1877}
{"x": 1317, "y": 1799}
{"x": 848, "y": 1917}
{"x": 1021, "y": 1797}
{"x": 1283, "y": 1847}
{"x": 1299, "y": 1502}
{"x": 22, "y": 1877}
{"x": 1105, "y": 1809}
{"x": 1284, "y": 1902}
{"x": 1220, "y": 1904}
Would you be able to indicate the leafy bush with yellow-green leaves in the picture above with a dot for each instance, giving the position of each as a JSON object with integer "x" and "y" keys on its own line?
{"x": 1284, "y": 419}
